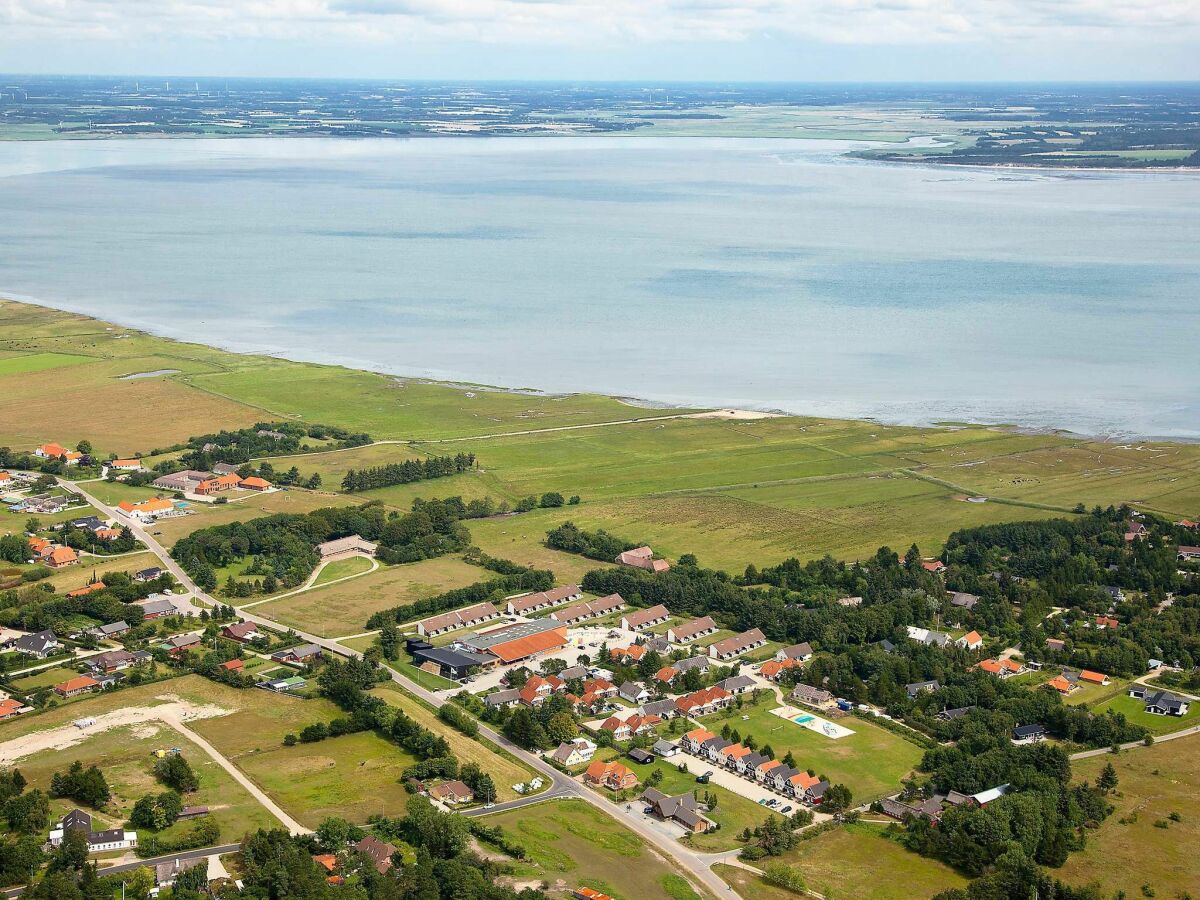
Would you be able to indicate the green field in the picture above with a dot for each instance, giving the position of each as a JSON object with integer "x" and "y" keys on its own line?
{"x": 851, "y": 862}
{"x": 344, "y": 608}
{"x": 115, "y": 492}
{"x": 38, "y": 362}
{"x": 1135, "y": 712}
{"x": 871, "y": 762}
{"x": 572, "y": 844}
{"x": 1153, "y": 783}
{"x": 44, "y": 678}
{"x": 343, "y": 568}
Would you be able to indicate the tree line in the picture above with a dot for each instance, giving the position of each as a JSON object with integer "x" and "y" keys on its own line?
{"x": 407, "y": 472}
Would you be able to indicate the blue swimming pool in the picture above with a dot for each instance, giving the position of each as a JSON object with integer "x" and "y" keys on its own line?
{"x": 803, "y": 720}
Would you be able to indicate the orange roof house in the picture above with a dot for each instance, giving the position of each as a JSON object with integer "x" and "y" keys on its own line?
{"x": 150, "y": 507}
{"x": 39, "y": 546}
{"x": 215, "y": 485}
{"x": 520, "y": 648}
{"x": 804, "y": 781}
{"x": 936, "y": 566}
{"x": 4, "y": 476}
{"x": 9, "y": 707}
{"x": 611, "y": 775}
{"x": 666, "y": 674}
{"x": 1093, "y": 677}
{"x": 1106, "y": 622}
{"x": 1060, "y": 684}
{"x": 634, "y": 652}
{"x": 254, "y": 483}
{"x": 61, "y": 556}
{"x": 51, "y": 451}
{"x": 327, "y": 861}
{"x": 78, "y": 685}
{"x": 232, "y": 665}
{"x": 88, "y": 589}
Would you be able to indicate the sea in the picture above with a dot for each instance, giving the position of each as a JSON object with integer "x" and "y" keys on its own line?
{"x": 761, "y": 274}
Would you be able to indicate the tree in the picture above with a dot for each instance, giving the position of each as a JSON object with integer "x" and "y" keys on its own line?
{"x": 72, "y": 853}
{"x": 84, "y": 447}
{"x": 1107, "y": 779}
{"x": 837, "y": 798}
{"x": 174, "y": 772}
{"x": 551, "y": 499}
{"x": 139, "y": 883}
{"x": 28, "y": 813}
{"x": 315, "y": 481}
{"x": 334, "y": 833}
{"x": 561, "y": 727}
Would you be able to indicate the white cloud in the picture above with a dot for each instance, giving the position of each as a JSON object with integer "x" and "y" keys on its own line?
{"x": 588, "y": 22}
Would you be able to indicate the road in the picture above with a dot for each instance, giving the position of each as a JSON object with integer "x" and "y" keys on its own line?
{"x": 562, "y": 786}
{"x": 153, "y": 861}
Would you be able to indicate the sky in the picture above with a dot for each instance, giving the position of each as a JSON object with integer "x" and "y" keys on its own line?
{"x": 667, "y": 40}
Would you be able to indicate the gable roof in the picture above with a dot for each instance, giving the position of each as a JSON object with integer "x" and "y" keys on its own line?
{"x": 647, "y": 616}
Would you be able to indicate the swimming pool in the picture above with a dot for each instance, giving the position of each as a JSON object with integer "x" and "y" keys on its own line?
{"x": 803, "y": 720}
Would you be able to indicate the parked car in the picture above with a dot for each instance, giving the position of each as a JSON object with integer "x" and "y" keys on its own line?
{"x": 786, "y": 809}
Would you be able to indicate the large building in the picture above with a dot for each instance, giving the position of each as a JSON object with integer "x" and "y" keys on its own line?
{"x": 516, "y": 642}
{"x": 459, "y": 618}
{"x": 589, "y": 609}
{"x": 527, "y": 603}
{"x": 738, "y": 644}
{"x": 692, "y": 630}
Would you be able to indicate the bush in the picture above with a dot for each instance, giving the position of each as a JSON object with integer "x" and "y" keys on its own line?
{"x": 784, "y": 876}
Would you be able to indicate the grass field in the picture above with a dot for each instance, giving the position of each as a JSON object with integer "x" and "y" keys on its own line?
{"x": 114, "y": 492}
{"x": 871, "y": 762}
{"x": 1135, "y": 712}
{"x": 572, "y": 844}
{"x": 344, "y": 608}
{"x": 343, "y": 568}
{"x": 206, "y": 515}
{"x": 79, "y": 575}
{"x": 44, "y": 678}
{"x": 505, "y": 771}
{"x": 30, "y": 363}
{"x": 854, "y": 861}
{"x": 1153, "y": 783}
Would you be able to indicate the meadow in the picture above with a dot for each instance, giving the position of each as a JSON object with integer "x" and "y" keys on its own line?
{"x": 1130, "y": 849}
{"x": 572, "y": 844}
{"x": 1135, "y": 712}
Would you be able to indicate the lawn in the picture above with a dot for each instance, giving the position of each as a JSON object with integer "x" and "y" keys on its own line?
{"x": 342, "y": 568}
{"x": 124, "y": 755}
{"x": 572, "y": 844}
{"x": 113, "y": 493}
{"x": 1093, "y": 694}
{"x": 1153, "y": 782}
{"x": 39, "y": 362}
{"x": 77, "y": 576}
{"x": 44, "y": 679}
{"x": 353, "y": 776}
{"x": 1135, "y": 712}
{"x": 344, "y": 608}
{"x": 860, "y": 861}
{"x": 505, "y": 770}
{"x": 871, "y": 762}
{"x": 251, "y": 507}
{"x": 733, "y": 812}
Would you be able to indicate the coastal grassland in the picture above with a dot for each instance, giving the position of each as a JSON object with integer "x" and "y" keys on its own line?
{"x": 247, "y": 506}
{"x": 125, "y": 756}
{"x": 522, "y": 539}
{"x": 30, "y": 363}
{"x": 1135, "y": 712}
{"x": 572, "y": 844}
{"x": 858, "y": 860}
{"x": 504, "y": 769}
{"x": 389, "y": 407}
{"x": 344, "y": 608}
{"x": 343, "y": 568}
{"x": 1153, "y": 782}
{"x": 353, "y": 776}
{"x": 871, "y": 762}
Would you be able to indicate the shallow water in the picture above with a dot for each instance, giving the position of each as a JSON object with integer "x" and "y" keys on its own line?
{"x": 768, "y": 274}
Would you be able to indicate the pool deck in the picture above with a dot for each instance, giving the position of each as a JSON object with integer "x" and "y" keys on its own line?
{"x": 812, "y": 722}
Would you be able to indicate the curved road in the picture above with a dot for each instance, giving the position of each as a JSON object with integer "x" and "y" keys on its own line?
{"x": 562, "y": 786}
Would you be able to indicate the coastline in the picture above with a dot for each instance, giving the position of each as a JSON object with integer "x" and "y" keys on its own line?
{"x": 738, "y": 410}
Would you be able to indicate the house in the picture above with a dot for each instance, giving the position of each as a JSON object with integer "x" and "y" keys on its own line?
{"x": 737, "y": 684}
{"x": 1001, "y": 668}
{"x": 216, "y": 485}
{"x": 452, "y": 793}
{"x": 514, "y": 643}
{"x": 936, "y": 566}
{"x": 156, "y": 609}
{"x": 682, "y": 809}
{"x": 1028, "y": 734}
{"x": 520, "y": 606}
{"x": 180, "y": 642}
{"x": 86, "y": 589}
{"x": 39, "y": 645}
{"x": 928, "y": 637}
{"x": 165, "y": 873}
{"x": 691, "y": 630}
{"x": 538, "y": 687}
{"x": 664, "y": 709}
{"x": 918, "y": 687}
{"x": 60, "y": 557}
{"x": 694, "y": 739}
{"x": 700, "y": 663}
{"x": 232, "y": 665}
{"x": 301, "y": 654}
{"x": 73, "y": 687}
{"x": 738, "y": 644}
{"x": 885, "y": 645}
{"x": 57, "y": 451}
{"x": 1106, "y": 622}
{"x": 714, "y": 748}
{"x": 747, "y": 765}
{"x": 808, "y": 787}
{"x": 962, "y": 600}
{"x": 1060, "y": 684}
{"x": 850, "y": 601}
{"x": 1159, "y": 703}
{"x": 1134, "y": 531}
{"x": 453, "y": 664}
{"x": 502, "y": 699}
{"x": 242, "y": 632}
{"x": 1153, "y": 665}
{"x": 379, "y": 853}
{"x": 702, "y": 702}
{"x": 629, "y": 654}
{"x": 97, "y": 841}
{"x": 254, "y": 483}
{"x": 283, "y": 685}
{"x": 949, "y": 715}
{"x": 10, "y": 707}
{"x": 147, "y": 574}
{"x": 149, "y": 510}
{"x": 645, "y": 618}
{"x": 600, "y": 687}
{"x": 459, "y": 618}
{"x": 812, "y": 696}
{"x": 574, "y": 753}
{"x": 780, "y": 779}
{"x": 666, "y": 749}
{"x": 640, "y": 756}
{"x": 972, "y": 640}
{"x": 589, "y": 609}
{"x": 109, "y": 630}
{"x": 346, "y": 546}
{"x": 795, "y": 653}
{"x": 111, "y": 661}
{"x": 642, "y": 558}
{"x": 180, "y": 481}
{"x": 1093, "y": 677}
{"x": 666, "y": 675}
{"x": 1055, "y": 644}
{"x": 1115, "y": 594}
{"x": 225, "y": 469}
{"x": 612, "y": 775}
{"x": 634, "y": 692}
{"x": 1188, "y": 553}
{"x": 125, "y": 465}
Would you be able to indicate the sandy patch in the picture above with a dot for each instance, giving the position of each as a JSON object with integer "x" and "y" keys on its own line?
{"x": 174, "y": 711}
{"x": 742, "y": 414}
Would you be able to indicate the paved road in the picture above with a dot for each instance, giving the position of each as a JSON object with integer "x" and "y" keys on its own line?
{"x": 697, "y": 865}
{"x": 153, "y": 861}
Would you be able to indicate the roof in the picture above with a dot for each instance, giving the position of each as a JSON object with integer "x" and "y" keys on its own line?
{"x": 502, "y": 698}
{"x": 811, "y": 694}
{"x": 1060, "y": 684}
{"x": 156, "y": 606}
{"x": 63, "y": 555}
{"x": 647, "y": 616}
{"x": 487, "y": 640}
{"x": 459, "y": 617}
{"x": 301, "y": 651}
{"x": 589, "y": 608}
{"x": 232, "y": 665}
{"x": 544, "y": 598}
{"x": 254, "y": 482}
{"x": 797, "y": 651}
{"x": 344, "y": 544}
{"x": 739, "y": 642}
{"x": 241, "y": 629}
{"x": 736, "y": 682}
{"x": 699, "y": 735}
{"x": 694, "y": 627}
{"x": 972, "y": 637}
{"x": 519, "y": 648}
{"x": 79, "y": 683}
{"x": 453, "y": 659}
{"x": 1027, "y": 730}
{"x": 87, "y": 589}
{"x": 456, "y": 790}
{"x": 380, "y": 853}
{"x": 917, "y": 686}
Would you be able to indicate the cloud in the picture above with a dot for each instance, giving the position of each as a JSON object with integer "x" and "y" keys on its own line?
{"x": 590, "y": 22}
